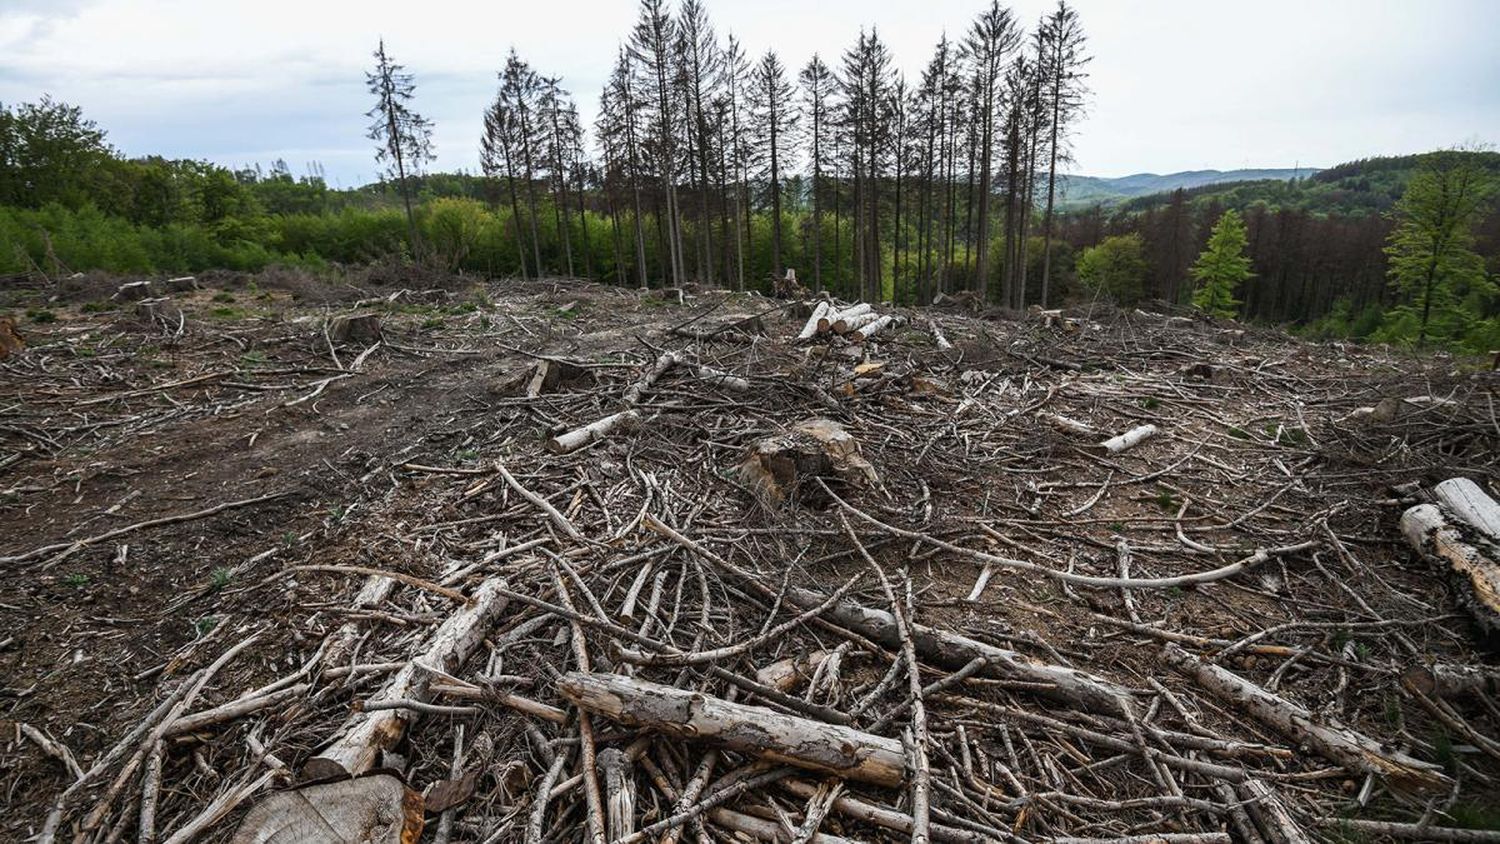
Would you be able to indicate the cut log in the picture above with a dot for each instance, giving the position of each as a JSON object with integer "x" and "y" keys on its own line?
{"x": 1343, "y": 745}
{"x": 1128, "y": 440}
{"x": 780, "y": 468}
{"x": 372, "y": 810}
{"x": 815, "y": 323}
{"x": 783, "y": 675}
{"x": 875, "y": 327}
{"x": 1447, "y": 680}
{"x": 720, "y": 378}
{"x": 1471, "y": 505}
{"x": 362, "y": 327}
{"x": 838, "y": 322}
{"x": 11, "y": 341}
{"x": 571, "y": 441}
{"x": 1429, "y": 533}
{"x": 938, "y": 336}
{"x": 813, "y": 745}
{"x": 370, "y": 733}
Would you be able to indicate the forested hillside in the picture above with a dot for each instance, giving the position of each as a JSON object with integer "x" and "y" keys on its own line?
{"x": 1317, "y": 245}
{"x": 1080, "y": 191}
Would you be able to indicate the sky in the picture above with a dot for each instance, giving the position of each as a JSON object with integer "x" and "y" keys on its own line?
{"x": 1175, "y": 84}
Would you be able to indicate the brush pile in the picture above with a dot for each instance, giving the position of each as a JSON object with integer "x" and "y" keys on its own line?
{"x": 909, "y": 575}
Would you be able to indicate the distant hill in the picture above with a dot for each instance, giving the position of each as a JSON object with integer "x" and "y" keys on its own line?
{"x": 1367, "y": 186}
{"x": 1096, "y": 190}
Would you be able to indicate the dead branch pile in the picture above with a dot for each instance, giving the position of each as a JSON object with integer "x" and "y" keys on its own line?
{"x": 1102, "y": 578}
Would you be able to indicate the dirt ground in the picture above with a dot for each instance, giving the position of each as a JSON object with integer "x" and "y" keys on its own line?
{"x": 379, "y": 452}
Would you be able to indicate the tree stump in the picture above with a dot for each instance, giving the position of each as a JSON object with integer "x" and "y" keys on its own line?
{"x": 364, "y": 327}
{"x": 134, "y": 291}
{"x": 181, "y": 284}
{"x": 376, "y": 810}
{"x": 783, "y": 467}
{"x": 11, "y": 340}
{"x": 159, "y": 310}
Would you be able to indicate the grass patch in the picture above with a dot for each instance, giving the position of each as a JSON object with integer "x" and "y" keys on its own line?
{"x": 226, "y": 313}
{"x": 40, "y": 316}
{"x": 223, "y": 297}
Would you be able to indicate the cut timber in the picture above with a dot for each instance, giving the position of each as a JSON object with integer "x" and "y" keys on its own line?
{"x": 1445, "y": 680}
{"x": 938, "y": 336}
{"x": 369, "y": 733}
{"x": 815, "y": 322}
{"x": 783, "y": 675}
{"x": 764, "y": 732}
{"x": 571, "y": 441}
{"x": 1426, "y": 530}
{"x": 838, "y": 322}
{"x": 362, "y": 327}
{"x": 11, "y": 341}
{"x": 1470, "y": 504}
{"x": 876, "y": 327}
{"x": 372, "y": 810}
{"x": 1128, "y": 440}
{"x": 1355, "y": 751}
{"x": 778, "y": 468}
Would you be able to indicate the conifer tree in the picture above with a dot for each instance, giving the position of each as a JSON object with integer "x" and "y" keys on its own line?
{"x": 1221, "y": 267}
{"x": 404, "y": 136}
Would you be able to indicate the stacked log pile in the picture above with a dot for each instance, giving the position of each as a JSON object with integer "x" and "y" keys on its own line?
{"x": 976, "y": 581}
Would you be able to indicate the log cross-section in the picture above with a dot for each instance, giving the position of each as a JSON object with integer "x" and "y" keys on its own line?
{"x": 813, "y": 745}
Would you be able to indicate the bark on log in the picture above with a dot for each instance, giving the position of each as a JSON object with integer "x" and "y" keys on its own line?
{"x": 369, "y": 733}
{"x": 1067, "y": 425}
{"x": 838, "y": 322}
{"x": 1471, "y": 505}
{"x": 875, "y": 328}
{"x": 1343, "y": 745}
{"x": 764, "y": 732}
{"x": 1271, "y": 815}
{"x": 1429, "y": 533}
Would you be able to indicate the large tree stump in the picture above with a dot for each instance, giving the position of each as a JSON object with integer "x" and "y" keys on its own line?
{"x": 134, "y": 291}
{"x": 779, "y": 468}
{"x": 364, "y": 327}
{"x": 686, "y": 714}
{"x": 372, "y": 810}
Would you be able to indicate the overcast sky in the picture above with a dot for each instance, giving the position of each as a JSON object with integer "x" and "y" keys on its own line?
{"x": 1176, "y": 84}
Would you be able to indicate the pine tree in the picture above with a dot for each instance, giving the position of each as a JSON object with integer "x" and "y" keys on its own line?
{"x": 992, "y": 38}
{"x": 817, "y": 93}
{"x": 1432, "y": 260}
{"x": 1221, "y": 267}
{"x": 405, "y": 137}
{"x": 1062, "y": 59}
{"x": 775, "y": 120}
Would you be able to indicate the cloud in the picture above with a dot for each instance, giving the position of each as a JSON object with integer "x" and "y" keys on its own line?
{"x": 1178, "y": 84}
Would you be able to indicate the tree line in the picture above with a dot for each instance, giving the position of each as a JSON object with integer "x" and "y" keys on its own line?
{"x": 865, "y": 183}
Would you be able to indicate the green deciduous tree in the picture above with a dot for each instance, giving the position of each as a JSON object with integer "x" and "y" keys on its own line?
{"x": 1433, "y": 265}
{"x": 1221, "y": 267}
{"x": 1117, "y": 266}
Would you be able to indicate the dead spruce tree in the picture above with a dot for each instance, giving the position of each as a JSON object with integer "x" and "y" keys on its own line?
{"x": 773, "y": 136}
{"x": 991, "y": 40}
{"x": 404, "y": 137}
{"x": 1062, "y": 58}
{"x": 653, "y": 55}
{"x": 817, "y": 93}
